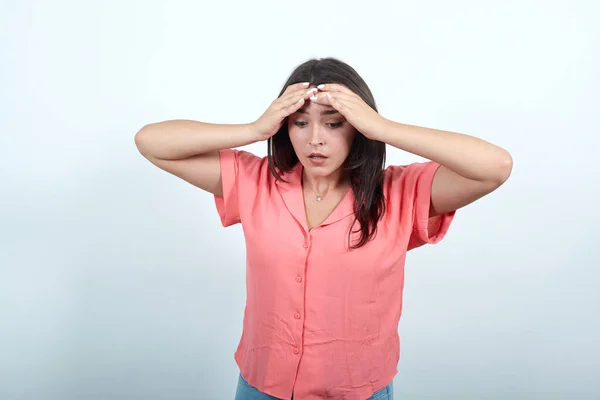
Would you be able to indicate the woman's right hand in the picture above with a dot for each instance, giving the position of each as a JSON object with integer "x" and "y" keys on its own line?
{"x": 288, "y": 103}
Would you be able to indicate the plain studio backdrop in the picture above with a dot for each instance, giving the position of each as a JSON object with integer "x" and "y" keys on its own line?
{"x": 117, "y": 280}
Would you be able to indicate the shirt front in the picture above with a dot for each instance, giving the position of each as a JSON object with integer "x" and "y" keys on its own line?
{"x": 321, "y": 320}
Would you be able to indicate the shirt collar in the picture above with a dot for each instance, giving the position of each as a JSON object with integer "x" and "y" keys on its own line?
{"x": 291, "y": 192}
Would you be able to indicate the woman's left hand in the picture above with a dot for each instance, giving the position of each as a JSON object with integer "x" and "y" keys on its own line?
{"x": 358, "y": 113}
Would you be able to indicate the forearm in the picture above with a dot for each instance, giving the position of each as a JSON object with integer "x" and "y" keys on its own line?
{"x": 179, "y": 139}
{"x": 468, "y": 156}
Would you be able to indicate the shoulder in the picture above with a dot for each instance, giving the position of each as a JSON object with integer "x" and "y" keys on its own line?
{"x": 241, "y": 157}
{"x": 409, "y": 175}
{"x": 243, "y": 163}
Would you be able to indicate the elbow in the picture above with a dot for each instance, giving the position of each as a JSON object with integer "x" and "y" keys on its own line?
{"x": 141, "y": 140}
{"x": 504, "y": 169}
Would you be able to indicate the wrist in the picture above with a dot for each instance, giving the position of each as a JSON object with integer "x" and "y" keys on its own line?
{"x": 383, "y": 130}
{"x": 252, "y": 132}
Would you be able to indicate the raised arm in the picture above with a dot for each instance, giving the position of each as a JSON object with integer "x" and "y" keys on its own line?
{"x": 190, "y": 149}
{"x": 470, "y": 168}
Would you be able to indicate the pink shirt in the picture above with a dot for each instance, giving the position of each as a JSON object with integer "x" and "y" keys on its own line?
{"x": 320, "y": 320}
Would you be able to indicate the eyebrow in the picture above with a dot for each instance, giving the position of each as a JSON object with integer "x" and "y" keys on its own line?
{"x": 324, "y": 112}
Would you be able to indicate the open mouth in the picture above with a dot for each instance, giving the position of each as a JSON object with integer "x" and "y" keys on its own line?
{"x": 317, "y": 159}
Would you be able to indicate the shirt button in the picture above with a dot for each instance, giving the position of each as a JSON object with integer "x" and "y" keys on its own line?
{"x": 296, "y": 351}
{"x": 297, "y": 315}
{"x": 298, "y": 279}
{"x": 305, "y": 245}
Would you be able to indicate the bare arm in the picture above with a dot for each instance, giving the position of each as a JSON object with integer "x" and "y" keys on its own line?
{"x": 179, "y": 139}
{"x": 190, "y": 149}
{"x": 470, "y": 168}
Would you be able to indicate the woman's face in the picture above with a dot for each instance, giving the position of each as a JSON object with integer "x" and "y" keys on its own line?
{"x": 321, "y": 137}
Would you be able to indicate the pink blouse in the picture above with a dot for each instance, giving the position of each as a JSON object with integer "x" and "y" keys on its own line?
{"x": 322, "y": 320}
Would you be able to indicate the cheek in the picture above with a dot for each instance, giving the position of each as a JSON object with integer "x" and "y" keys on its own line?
{"x": 346, "y": 141}
{"x": 295, "y": 137}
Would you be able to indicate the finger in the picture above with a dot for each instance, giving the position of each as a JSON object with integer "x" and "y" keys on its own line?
{"x": 331, "y": 97}
{"x": 304, "y": 92}
{"x": 292, "y": 103}
{"x": 335, "y": 87}
{"x": 326, "y": 99}
{"x": 294, "y": 97}
{"x": 286, "y": 100}
{"x": 320, "y": 98}
{"x": 337, "y": 101}
{"x": 296, "y": 86}
{"x": 291, "y": 108}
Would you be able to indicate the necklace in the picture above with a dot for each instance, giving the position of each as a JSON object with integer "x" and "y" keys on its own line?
{"x": 319, "y": 197}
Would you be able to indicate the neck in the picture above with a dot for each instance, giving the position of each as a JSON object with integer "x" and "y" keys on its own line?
{"x": 324, "y": 184}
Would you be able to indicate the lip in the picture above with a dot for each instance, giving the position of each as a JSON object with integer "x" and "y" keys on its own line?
{"x": 317, "y": 161}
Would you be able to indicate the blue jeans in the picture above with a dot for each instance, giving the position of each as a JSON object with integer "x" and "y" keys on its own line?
{"x": 247, "y": 392}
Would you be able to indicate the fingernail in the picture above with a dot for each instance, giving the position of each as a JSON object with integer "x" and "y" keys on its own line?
{"x": 311, "y": 91}
{"x": 305, "y": 84}
{"x": 321, "y": 86}
{"x": 313, "y": 98}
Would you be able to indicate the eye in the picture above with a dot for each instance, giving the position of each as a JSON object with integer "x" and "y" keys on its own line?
{"x": 332, "y": 125}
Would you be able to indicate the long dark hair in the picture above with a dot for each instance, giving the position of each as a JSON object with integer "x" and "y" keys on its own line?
{"x": 365, "y": 162}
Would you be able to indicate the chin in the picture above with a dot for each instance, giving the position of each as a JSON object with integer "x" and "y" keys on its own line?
{"x": 321, "y": 170}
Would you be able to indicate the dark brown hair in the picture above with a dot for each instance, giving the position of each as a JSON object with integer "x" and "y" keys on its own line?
{"x": 366, "y": 160}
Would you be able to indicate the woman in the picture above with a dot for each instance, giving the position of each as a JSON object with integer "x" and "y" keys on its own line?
{"x": 327, "y": 226}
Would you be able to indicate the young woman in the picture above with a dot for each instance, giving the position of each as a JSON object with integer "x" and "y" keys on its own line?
{"x": 327, "y": 225}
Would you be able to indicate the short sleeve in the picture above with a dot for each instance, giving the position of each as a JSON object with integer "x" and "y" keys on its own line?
{"x": 240, "y": 175}
{"x": 412, "y": 183}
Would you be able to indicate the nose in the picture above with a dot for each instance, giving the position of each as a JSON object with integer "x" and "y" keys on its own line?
{"x": 316, "y": 136}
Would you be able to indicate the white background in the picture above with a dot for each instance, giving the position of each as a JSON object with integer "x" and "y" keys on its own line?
{"x": 117, "y": 280}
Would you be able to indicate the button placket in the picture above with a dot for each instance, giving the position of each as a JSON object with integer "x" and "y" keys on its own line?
{"x": 299, "y": 278}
